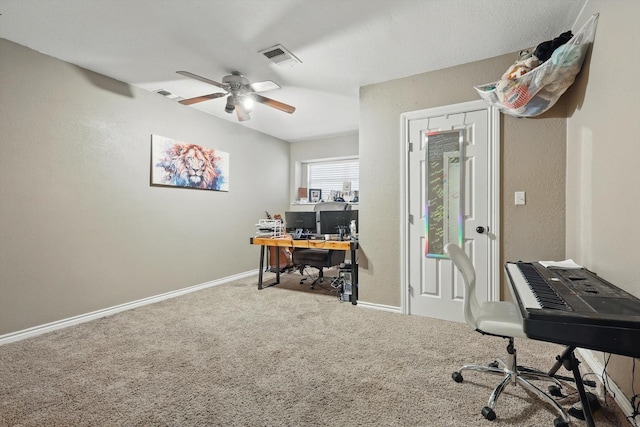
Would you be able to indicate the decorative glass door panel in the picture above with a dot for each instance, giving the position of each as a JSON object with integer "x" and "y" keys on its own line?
{"x": 444, "y": 181}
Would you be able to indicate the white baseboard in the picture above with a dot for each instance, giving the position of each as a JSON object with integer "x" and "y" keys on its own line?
{"x": 65, "y": 323}
{"x": 380, "y": 307}
{"x": 596, "y": 366}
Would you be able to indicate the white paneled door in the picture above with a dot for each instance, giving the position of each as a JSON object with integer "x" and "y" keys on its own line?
{"x": 431, "y": 285}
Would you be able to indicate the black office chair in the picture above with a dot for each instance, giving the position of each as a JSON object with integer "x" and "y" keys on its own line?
{"x": 320, "y": 258}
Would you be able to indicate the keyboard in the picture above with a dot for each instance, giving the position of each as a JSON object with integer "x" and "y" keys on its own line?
{"x": 575, "y": 307}
{"x": 309, "y": 237}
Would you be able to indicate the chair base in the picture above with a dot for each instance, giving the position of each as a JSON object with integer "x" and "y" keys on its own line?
{"x": 318, "y": 279}
{"x": 286, "y": 269}
{"x": 512, "y": 373}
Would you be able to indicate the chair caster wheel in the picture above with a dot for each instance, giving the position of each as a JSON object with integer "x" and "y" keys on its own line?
{"x": 457, "y": 377}
{"x": 488, "y": 413}
{"x": 493, "y": 364}
{"x": 559, "y": 422}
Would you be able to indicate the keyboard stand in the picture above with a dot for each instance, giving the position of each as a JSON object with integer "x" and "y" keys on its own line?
{"x": 569, "y": 361}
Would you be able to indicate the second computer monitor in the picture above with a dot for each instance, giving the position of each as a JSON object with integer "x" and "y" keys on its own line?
{"x": 301, "y": 220}
{"x": 337, "y": 222}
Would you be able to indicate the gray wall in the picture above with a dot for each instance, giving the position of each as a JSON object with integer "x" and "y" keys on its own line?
{"x": 603, "y": 151}
{"x": 81, "y": 229}
{"x": 532, "y": 158}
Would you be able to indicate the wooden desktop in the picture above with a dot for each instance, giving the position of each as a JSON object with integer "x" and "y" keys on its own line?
{"x": 288, "y": 242}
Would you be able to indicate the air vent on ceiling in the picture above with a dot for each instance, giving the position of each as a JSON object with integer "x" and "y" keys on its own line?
{"x": 168, "y": 94}
{"x": 279, "y": 55}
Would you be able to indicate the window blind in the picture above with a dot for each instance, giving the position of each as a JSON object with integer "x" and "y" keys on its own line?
{"x": 331, "y": 175}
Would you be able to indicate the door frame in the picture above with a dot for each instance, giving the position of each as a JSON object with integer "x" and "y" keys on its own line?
{"x": 493, "y": 190}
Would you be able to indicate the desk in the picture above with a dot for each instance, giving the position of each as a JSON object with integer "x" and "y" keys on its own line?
{"x": 288, "y": 242}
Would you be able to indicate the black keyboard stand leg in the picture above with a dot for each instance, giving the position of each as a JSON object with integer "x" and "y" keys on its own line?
{"x": 569, "y": 361}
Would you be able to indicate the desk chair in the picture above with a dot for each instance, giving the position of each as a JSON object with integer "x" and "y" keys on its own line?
{"x": 500, "y": 319}
{"x": 320, "y": 258}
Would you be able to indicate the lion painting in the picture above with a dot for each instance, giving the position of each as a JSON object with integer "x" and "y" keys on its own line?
{"x": 189, "y": 165}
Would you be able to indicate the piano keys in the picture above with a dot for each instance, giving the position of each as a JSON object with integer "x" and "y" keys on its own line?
{"x": 575, "y": 307}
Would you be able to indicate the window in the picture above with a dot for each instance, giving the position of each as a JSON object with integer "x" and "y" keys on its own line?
{"x": 330, "y": 175}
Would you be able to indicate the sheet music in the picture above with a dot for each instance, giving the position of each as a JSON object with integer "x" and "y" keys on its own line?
{"x": 567, "y": 263}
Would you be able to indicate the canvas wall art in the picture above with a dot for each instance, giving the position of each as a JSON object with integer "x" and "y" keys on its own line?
{"x": 181, "y": 164}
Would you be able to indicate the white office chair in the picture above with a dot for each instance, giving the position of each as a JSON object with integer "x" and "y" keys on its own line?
{"x": 501, "y": 319}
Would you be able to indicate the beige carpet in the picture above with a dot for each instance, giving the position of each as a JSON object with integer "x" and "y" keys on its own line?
{"x": 284, "y": 356}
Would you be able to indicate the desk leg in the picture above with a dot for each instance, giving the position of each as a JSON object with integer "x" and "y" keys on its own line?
{"x": 277, "y": 265}
{"x": 354, "y": 278}
{"x": 262, "y": 249}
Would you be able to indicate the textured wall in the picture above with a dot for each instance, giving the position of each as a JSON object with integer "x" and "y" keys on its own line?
{"x": 81, "y": 229}
{"x": 603, "y": 151}
{"x": 532, "y": 160}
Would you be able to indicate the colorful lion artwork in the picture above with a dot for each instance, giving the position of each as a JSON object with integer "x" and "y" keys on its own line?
{"x": 181, "y": 164}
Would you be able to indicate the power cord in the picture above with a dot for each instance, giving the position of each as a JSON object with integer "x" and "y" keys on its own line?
{"x": 635, "y": 402}
{"x": 635, "y": 399}
{"x": 605, "y": 377}
{"x": 607, "y": 388}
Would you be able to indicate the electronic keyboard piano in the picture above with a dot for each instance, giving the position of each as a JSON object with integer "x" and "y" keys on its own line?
{"x": 575, "y": 307}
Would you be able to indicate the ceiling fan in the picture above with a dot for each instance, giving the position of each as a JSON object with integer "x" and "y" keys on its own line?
{"x": 240, "y": 92}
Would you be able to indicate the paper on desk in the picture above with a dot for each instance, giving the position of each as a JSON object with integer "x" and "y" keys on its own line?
{"x": 567, "y": 263}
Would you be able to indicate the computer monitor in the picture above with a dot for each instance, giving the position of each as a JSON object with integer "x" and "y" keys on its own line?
{"x": 337, "y": 222}
{"x": 301, "y": 220}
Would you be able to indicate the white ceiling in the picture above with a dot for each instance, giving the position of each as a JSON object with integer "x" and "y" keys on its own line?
{"x": 343, "y": 45}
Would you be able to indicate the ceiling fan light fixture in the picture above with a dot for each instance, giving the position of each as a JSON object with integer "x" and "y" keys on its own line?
{"x": 230, "y": 106}
{"x": 247, "y": 103}
{"x": 241, "y": 94}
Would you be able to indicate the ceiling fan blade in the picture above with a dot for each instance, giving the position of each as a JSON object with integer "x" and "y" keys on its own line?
{"x": 238, "y": 86}
{"x": 264, "y": 86}
{"x": 202, "y": 79}
{"x": 275, "y": 104}
{"x": 201, "y": 98}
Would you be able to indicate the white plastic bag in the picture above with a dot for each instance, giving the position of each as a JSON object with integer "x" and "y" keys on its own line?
{"x": 539, "y": 89}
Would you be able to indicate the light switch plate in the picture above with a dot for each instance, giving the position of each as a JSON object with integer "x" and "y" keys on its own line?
{"x": 520, "y": 198}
